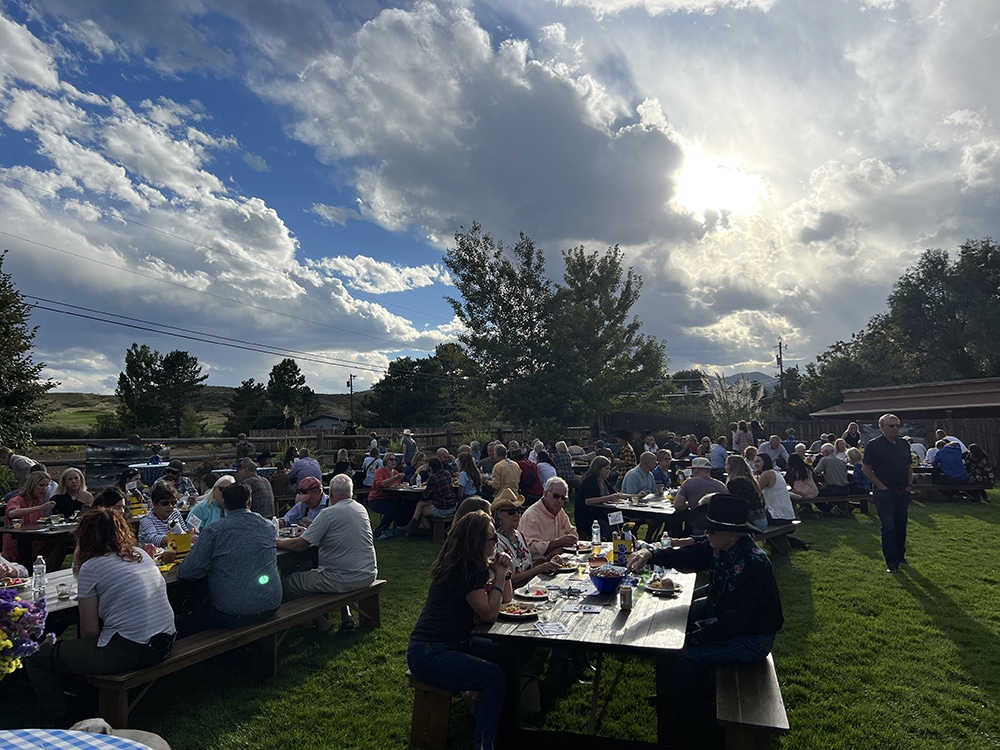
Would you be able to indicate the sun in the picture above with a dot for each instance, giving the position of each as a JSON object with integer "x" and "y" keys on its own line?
{"x": 708, "y": 183}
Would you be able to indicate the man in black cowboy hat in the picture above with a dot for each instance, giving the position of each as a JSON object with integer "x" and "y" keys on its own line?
{"x": 737, "y": 621}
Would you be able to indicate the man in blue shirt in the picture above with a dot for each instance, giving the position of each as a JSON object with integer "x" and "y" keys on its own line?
{"x": 310, "y": 501}
{"x": 639, "y": 479}
{"x": 238, "y": 559}
{"x": 720, "y": 452}
{"x": 949, "y": 468}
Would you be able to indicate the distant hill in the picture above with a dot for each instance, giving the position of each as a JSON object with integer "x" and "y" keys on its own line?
{"x": 81, "y": 410}
{"x": 768, "y": 381}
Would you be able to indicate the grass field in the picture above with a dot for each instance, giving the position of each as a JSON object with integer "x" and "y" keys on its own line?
{"x": 866, "y": 659}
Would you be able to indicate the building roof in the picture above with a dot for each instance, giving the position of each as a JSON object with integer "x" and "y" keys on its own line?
{"x": 963, "y": 398}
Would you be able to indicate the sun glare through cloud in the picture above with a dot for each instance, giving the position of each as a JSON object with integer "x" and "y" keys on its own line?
{"x": 707, "y": 183}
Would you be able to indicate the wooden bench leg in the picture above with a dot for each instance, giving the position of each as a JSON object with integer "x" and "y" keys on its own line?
{"x": 779, "y": 544}
{"x": 431, "y": 716}
{"x": 370, "y": 611}
{"x": 747, "y": 738}
{"x": 112, "y": 705}
{"x": 264, "y": 656}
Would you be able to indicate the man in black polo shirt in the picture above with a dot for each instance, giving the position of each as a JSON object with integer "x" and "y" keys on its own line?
{"x": 887, "y": 466}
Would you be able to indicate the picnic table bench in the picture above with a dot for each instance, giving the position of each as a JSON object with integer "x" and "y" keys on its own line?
{"x": 749, "y": 704}
{"x": 776, "y": 536}
{"x": 114, "y": 705}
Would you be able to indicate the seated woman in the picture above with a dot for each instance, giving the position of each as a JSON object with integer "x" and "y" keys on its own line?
{"x": 210, "y": 509}
{"x": 470, "y": 579}
{"x": 859, "y": 482}
{"x": 506, "y": 510}
{"x": 71, "y": 493}
{"x": 126, "y": 621}
{"x": 383, "y": 502}
{"x": 737, "y": 621}
{"x": 155, "y": 525}
{"x": 662, "y": 475}
{"x": 742, "y": 484}
{"x": 28, "y": 506}
{"x": 777, "y": 501}
{"x": 131, "y": 486}
{"x": 417, "y": 469}
{"x": 852, "y": 435}
{"x": 977, "y": 463}
{"x": 371, "y": 464}
{"x": 595, "y": 490}
{"x": 438, "y": 501}
{"x": 470, "y": 481}
{"x": 343, "y": 465}
{"x": 110, "y": 497}
{"x": 799, "y": 477}
{"x": 840, "y": 449}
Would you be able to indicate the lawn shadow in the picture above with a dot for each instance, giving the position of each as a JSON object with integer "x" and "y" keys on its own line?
{"x": 795, "y": 588}
{"x": 978, "y": 647}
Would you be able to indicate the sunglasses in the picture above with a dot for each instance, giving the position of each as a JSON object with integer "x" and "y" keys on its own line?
{"x": 165, "y": 503}
{"x": 557, "y": 496}
{"x": 513, "y": 511}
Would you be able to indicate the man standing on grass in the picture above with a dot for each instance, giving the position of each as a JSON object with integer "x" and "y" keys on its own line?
{"x": 887, "y": 466}
{"x": 343, "y": 533}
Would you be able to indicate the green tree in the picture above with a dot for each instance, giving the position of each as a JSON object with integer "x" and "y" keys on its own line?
{"x": 140, "y": 402}
{"x": 22, "y": 391}
{"x": 249, "y": 408}
{"x": 160, "y": 392}
{"x": 181, "y": 387}
{"x": 550, "y": 354}
{"x": 410, "y": 393}
{"x": 506, "y": 300}
{"x": 288, "y": 392}
{"x": 595, "y": 336}
{"x": 946, "y": 310}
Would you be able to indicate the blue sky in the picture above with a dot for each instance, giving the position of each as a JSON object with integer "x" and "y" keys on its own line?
{"x": 290, "y": 174}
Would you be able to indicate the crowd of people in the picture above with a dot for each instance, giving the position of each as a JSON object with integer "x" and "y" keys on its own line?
{"x": 507, "y": 505}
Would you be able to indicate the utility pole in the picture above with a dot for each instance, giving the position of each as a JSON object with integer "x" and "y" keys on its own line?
{"x": 781, "y": 379}
{"x": 350, "y": 386}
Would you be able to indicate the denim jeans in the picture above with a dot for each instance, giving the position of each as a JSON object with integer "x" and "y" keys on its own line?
{"x": 465, "y": 666}
{"x": 893, "y": 509}
{"x": 389, "y": 509}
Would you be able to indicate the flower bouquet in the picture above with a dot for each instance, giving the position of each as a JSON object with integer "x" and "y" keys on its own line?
{"x": 22, "y": 625}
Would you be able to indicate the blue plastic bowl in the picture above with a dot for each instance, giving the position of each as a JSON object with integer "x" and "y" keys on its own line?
{"x": 608, "y": 585}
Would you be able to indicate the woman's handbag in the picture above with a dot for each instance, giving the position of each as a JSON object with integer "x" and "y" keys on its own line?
{"x": 805, "y": 488}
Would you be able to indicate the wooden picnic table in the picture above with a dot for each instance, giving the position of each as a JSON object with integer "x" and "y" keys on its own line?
{"x": 655, "y": 627}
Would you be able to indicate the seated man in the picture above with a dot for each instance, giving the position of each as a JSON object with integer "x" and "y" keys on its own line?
{"x": 738, "y": 620}
{"x": 690, "y": 493}
{"x": 836, "y": 480}
{"x": 310, "y": 500}
{"x": 639, "y": 479}
{"x": 777, "y": 452}
{"x": 175, "y": 476}
{"x": 948, "y": 466}
{"x": 343, "y": 533}
{"x": 261, "y": 493}
{"x": 304, "y": 466}
{"x": 237, "y": 557}
{"x": 720, "y": 452}
{"x": 545, "y": 526}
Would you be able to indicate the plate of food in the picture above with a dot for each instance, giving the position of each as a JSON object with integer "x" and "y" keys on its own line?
{"x": 584, "y": 547}
{"x": 531, "y": 592}
{"x": 15, "y": 584}
{"x": 565, "y": 566}
{"x": 518, "y": 610}
{"x": 663, "y": 587}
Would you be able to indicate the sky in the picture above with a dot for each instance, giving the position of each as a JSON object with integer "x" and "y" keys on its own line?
{"x": 250, "y": 181}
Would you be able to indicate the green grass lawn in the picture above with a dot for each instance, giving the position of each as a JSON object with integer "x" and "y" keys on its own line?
{"x": 866, "y": 659}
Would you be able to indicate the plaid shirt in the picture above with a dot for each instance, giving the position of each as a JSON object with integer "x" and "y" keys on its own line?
{"x": 440, "y": 491}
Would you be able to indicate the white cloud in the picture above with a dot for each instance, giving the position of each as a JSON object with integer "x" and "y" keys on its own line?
{"x": 24, "y": 58}
{"x": 378, "y": 277}
{"x": 602, "y": 8}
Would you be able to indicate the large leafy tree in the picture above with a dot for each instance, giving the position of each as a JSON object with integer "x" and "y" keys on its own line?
{"x": 288, "y": 392}
{"x": 160, "y": 392}
{"x": 22, "y": 391}
{"x": 550, "y": 354}
{"x": 410, "y": 394}
{"x": 181, "y": 386}
{"x": 250, "y": 408}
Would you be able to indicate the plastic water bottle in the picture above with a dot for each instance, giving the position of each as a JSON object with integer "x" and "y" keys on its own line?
{"x": 595, "y": 533}
{"x": 665, "y": 542}
{"x": 38, "y": 578}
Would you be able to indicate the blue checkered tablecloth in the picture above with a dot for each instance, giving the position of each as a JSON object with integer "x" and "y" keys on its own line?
{"x": 63, "y": 739}
{"x": 265, "y": 471}
{"x": 150, "y": 472}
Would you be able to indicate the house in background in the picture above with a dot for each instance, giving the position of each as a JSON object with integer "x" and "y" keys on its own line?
{"x": 324, "y": 422}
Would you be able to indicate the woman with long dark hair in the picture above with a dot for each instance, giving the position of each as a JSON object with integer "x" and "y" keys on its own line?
{"x": 595, "y": 490}
{"x": 470, "y": 580}
{"x": 126, "y": 622}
